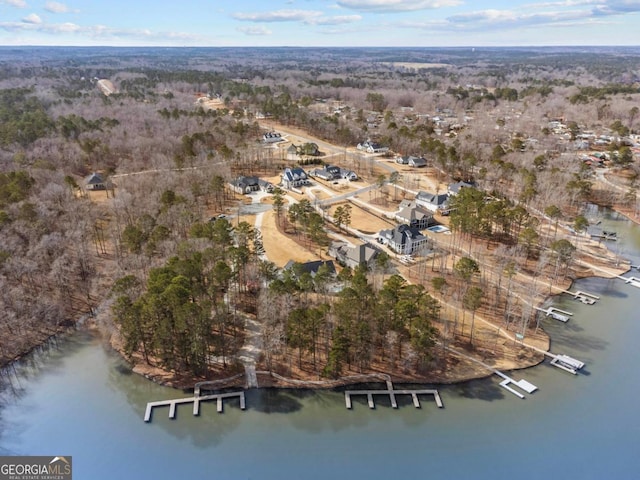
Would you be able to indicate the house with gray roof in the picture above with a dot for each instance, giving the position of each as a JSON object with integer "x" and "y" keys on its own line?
{"x": 294, "y": 178}
{"x": 328, "y": 172}
{"x": 417, "y": 162}
{"x": 411, "y": 160}
{"x": 372, "y": 147}
{"x": 310, "y": 267}
{"x": 331, "y": 172}
{"x": 435, "y": 202}
{"x": 95, "y": 182}
{"x": 351, "y": 256}
{"x": 245, "y": 185}
{"x": 415, "y": 216}
{"x": 272, "y": 137}
{"x": 454, "y": 188}
{"x": 403, "y": 239}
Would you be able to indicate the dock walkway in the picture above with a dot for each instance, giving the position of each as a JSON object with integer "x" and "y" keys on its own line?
{"x": 506, "y": 380}
{"x": 196, "y": 400}
{"x": 392, "y": 393}
{"x": 556, "y": 313}
{"x": 584, "y": 297}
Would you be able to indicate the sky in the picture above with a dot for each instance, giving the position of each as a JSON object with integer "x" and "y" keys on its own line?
{"x": 427, "y": 23}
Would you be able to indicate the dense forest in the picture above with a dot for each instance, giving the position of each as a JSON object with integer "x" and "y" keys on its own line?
{"x": 178, "y": 286}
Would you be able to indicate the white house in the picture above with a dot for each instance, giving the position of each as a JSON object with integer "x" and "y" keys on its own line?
{"x": 272, "y": 137}
{"x": 433, "y": 202}
{"x": 403, "y": 239}
{"x": 294, "y": 177}
{"x": 372, "y": 147}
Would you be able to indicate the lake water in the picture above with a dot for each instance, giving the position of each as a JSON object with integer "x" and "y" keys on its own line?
{"x": 80, "y": 400}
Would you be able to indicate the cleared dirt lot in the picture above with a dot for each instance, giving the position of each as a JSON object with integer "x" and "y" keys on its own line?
{"x": 279, "y": 248}
{"x": 362, "y": 220}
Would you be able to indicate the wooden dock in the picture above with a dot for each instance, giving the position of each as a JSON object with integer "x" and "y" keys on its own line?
{"x": 196, "y": 400}
{"x": 392, "y": 393}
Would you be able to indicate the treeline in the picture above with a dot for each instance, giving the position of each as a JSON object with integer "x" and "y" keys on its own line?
{"x": 478, "y": 214}
{"x": 46, "y": 269}
{"x": 23, "y": 118}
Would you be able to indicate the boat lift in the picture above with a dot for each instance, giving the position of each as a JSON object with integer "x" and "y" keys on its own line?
{"x": 556, "y": 313}
{"x": 584, "y": 297}
{"x": 567, "y": 363}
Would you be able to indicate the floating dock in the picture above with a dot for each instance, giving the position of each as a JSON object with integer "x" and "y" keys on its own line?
{"x": 392, "y": 396}
{"x": 196, "y": 400}
{"x": 522, "y": 384}
{"x": 633, "y": 281}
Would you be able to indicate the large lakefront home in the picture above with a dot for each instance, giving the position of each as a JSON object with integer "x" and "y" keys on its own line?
{"x": 403, "y": 239}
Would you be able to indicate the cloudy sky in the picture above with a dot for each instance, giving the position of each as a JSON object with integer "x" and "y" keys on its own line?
{"x": 319, "y": 22}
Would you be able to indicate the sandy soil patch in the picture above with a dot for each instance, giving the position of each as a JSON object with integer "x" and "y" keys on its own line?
{"x": 279, "y": 248}
{"x": 343, "y": 186}
{"x": 98, "y": 196}
{"x": 211, "y": 104}
{"x": 362, "y": 220}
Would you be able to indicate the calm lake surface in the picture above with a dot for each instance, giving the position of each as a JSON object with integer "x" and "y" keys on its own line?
{"x": 80, "y": 400}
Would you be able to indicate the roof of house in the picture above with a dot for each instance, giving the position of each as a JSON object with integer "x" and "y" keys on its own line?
{"x": 432, "y": 198}
{"x": 312, "y": 267}
{"x": 360, "y": 254}
{"x": 456, "y": 187}
{"x": 401, "y": 233}
{"x": 414, "y": 213}
{"x": 94, "y": 179}
{"x": 245, "y": 181}
{"x": 295, "y": 173}
{"x": 417, "y": 161}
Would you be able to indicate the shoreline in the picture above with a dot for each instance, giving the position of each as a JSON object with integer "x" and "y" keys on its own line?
{"x": 167, "y": 379}
{"x": 468, "y": 373}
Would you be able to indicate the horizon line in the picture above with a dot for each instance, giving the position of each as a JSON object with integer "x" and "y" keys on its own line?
{"x": 330, "y": 46}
